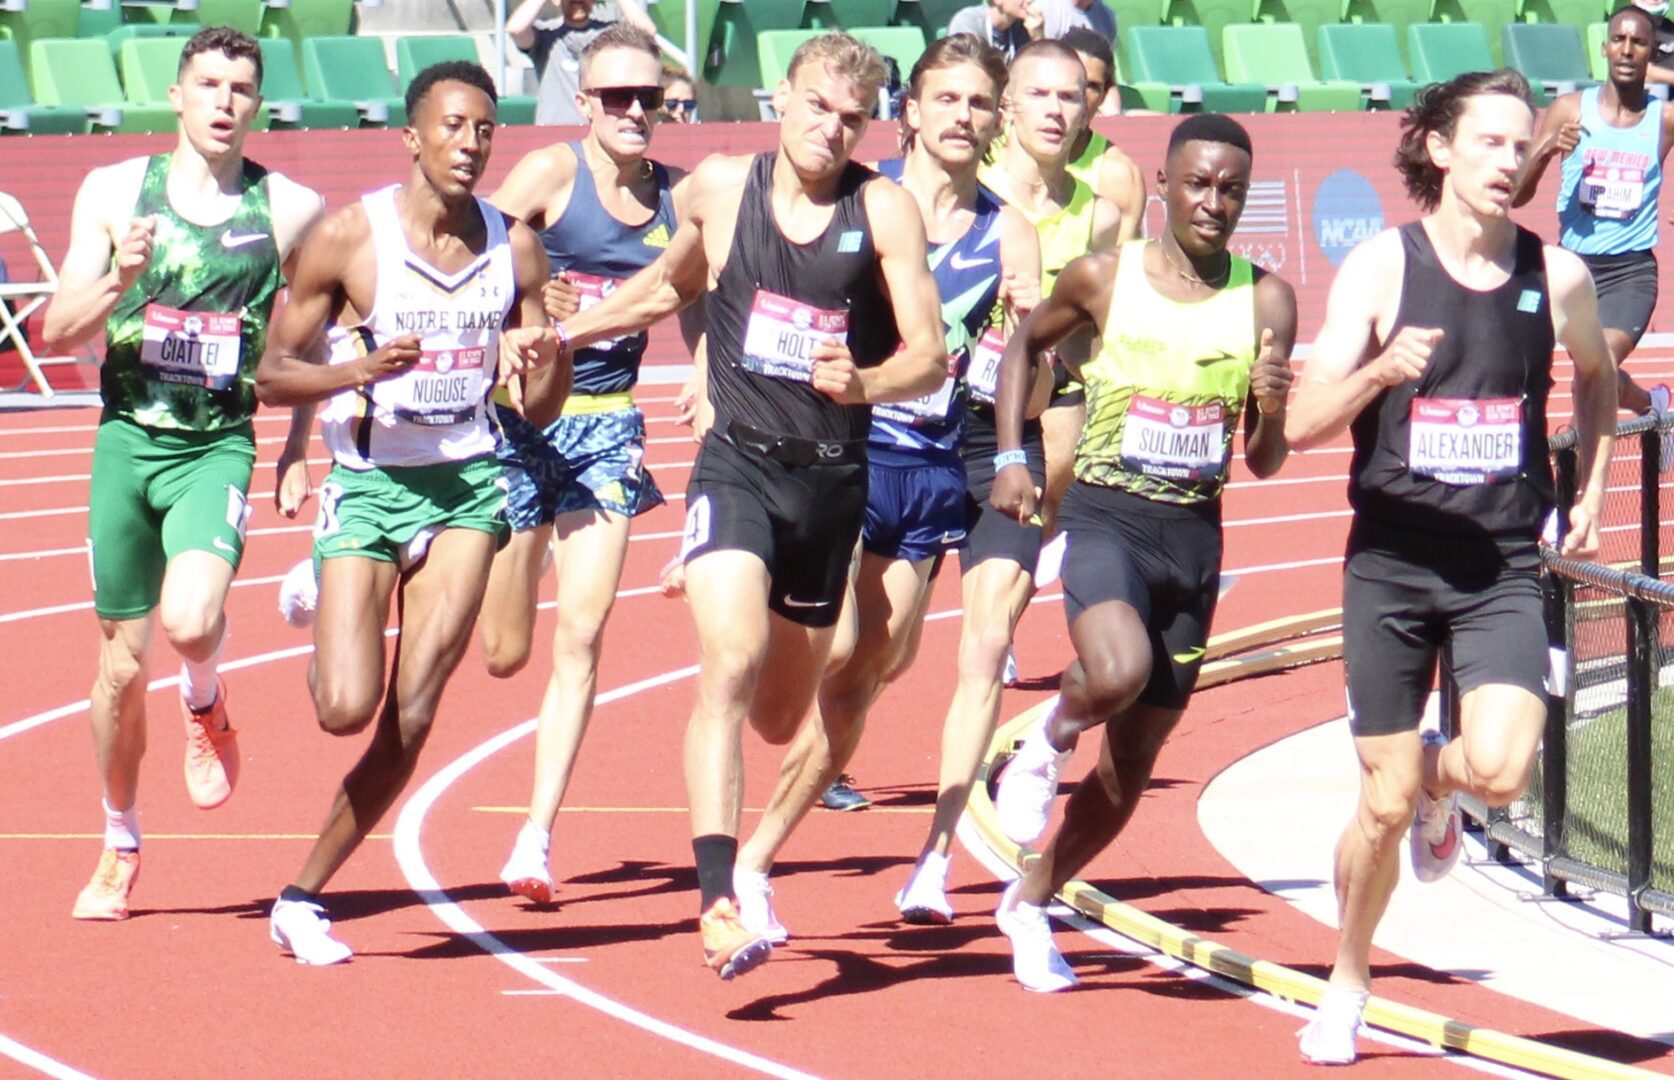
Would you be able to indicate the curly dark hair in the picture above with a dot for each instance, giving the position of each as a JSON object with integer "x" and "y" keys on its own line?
{"x": 231, "y": 42}
{"x": 1437, "y": 109}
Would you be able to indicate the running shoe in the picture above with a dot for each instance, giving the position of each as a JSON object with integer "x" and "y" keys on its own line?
{"x": 1009, "y": 676}
{"x": 841, "y": 795}
{"x": 1035, "y": 959}
{"x": 1659, "y": 408}
{"x": 728, "y": 948}
{"x": 1028, "y": 785}
{"x": 922, "y": 901}
{"x": 1437, "y": 828}
{"x": 755, "y": 905}
{"x": 211, "y": 751}
{"x": 301, "y": 929}
{"x": 105, "y": 897}
{"x": 1328, "y": 1039}
{"x": 299, "y": 595}
{"x": 526, "y": 872}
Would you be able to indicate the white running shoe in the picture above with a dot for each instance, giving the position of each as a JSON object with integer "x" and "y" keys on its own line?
{"x": 1035, "y": 959}
{"x": 923, "y": 899}
{"x": 1328, "y": 1039}
{"x": 526, "y": 873}
{"x": 1009, "y": 676}
{"x": 299, "y": 595}
{"x": 303, "y": 930}
{"x": 1028, "y": 785}
{"x": 1437, "y": 828}
{"x": 755, "y": 905}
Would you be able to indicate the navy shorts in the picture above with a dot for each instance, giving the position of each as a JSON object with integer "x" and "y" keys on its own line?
{"x": 914, "y": 511}
{"x": 585, "y": 461}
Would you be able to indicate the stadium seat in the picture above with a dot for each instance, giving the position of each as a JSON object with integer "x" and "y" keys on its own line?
{"x": 1491, "y": 15}
{"x": 97, "y": 22}
{"x": 353, "y": 69}
{"x": 1397, "y": 13}
{"x": 774, "y": 48}
{"x": 287, "y": 99}
{"x": 19, "y": 300}
{"x": 1129, "y": 14}
{"x": 1548, "y": 54}
{"x": 1596, "y": 63}
{"x": 1273, "y": 54}
{"x": 80, "y": 73}
{"x": 857, "y": 13}
{"x": 670, "y": 17}
{"x": 1179, "y": 57}
{"x": 133, "y": 31}
{"x": 732, "y": 58}
{"x": 1439, "y": 51}
{"x": 415, "y": 53}
{"x": 1213, "y": 16}
{"x": 1154, "y": 97}
{"x": 149, "y": 66}
{"x": 1577, "y": 13}
{"x": 1366, "y": 53}
{"x": 18, "y": 112}
{"x": 39, "y": 19}
{"x": 300, "y": 20}
{"x": 1309, "y": 15}
{"x": 245, "y": 15}
{"x": 902, "y": 44}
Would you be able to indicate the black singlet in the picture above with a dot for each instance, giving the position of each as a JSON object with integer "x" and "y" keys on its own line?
{"x": 1457, "y": 472}
{"x": 836, "y": 272}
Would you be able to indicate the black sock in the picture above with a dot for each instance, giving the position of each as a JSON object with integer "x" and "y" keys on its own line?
{"x": 294, "y": 895}
{"x": 716, "y": 855}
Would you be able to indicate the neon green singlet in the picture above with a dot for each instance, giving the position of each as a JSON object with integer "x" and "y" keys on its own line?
{"x": 1164, "y": 392}
{"x": 1085, "y": 167}
{"x": 1065, "y": 234}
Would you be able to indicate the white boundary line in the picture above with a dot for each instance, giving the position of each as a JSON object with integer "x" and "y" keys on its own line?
{"x": 39, "y": 1061}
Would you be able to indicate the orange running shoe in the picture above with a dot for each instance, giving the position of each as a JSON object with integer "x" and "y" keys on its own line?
{"x": 211, "y": 752}
{"x": 728, "y": 948}
{"x": 106, "y": 896}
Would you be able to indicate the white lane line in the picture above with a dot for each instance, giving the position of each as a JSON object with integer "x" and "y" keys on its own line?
{"x": 87, "y": 605}
{"x": 409, "y": 855}
{"x": 39, "y": 1061}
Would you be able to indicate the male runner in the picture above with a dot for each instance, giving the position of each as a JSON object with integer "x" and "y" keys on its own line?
{"x": 814, "y": 265}
{"x": 416, "y": 281}
{"x": 1098, "y": 162}
{"x": 604, "y": 211}
{"x": 982, "y": 253}
{"x": 1192, "y": 337}
{"x": 1437, "y": 353}
{"x": 178, "y": 257}
{"x": 1613, "y": 140}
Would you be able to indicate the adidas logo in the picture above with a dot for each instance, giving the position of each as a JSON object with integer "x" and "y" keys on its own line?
{"x": 657, "y": 238}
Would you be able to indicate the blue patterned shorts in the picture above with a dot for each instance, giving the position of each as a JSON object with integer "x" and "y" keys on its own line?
{"x": 585, "y": 461}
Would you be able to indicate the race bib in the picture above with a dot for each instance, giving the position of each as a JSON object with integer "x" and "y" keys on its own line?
{"x": 986, "y": 354}
{"x": 1613, "y": 185}
{"x": 196, "y": 348}
{"x": 446, "y": 386}
{"x": 1464, "y": 441}
{"x": 1179, "y": 442}
{"x": 593, "y": 289}
{"x": 781, "y": 333}
{"x": 933, "y": 407}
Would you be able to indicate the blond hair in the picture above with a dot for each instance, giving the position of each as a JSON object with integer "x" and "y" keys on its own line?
{"x": 844, "y": 56}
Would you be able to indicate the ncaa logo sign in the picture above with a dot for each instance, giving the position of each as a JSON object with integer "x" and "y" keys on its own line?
{"x": 1347, "y": 210}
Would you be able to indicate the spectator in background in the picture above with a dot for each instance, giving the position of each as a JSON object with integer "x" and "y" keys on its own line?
{"x": 555, "y": 46}
{"x": 679, "y": 97}
{"x": 1008, "y": 25}
{"x": 1662, "y": 57}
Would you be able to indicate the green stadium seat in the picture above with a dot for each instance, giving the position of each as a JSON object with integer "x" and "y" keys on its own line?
{"x": 857, "y": 13}
{"x": 353, "y": 69}
{"x": 1151, "y": 96}
{"x": 18, "y": 112}
{"x": 1309, "y": 15}
{"x": 774, "y": 49}
{"x": 97, "y": 22}
{"x": 902, "y": 44}
{"x": 1439, "y": 51}
{"x": 1273, "y": 54}
{"x": 149, "y": 31}
{"x": 931, "y": 16}
{"x": 245, "y": 15}
{"x": 732, "y": 58}
{"x": 39, "y": 19}
{"x": 1577, "y": 13}
{"x": 1214, "y": 16}
{"x": 1491, "y": 15}
{"x": 79, "y": 72}
{"x": 290, "y": 104}
{"x": 1548, "y": 54}
{"x": 302, "y": 19}
{"x": 1366, "y": 53}
{"x": 149, "y": 66}
{"x": 1596, "y": 63}
{"x": 1397, "y": 13}
{"x": 819, "y": 15}
{"x": 670, "y": 17}
{"x": 1129, "y": 14}
{"x": 415, "y": 53}
{"x": 1179, "y": 57}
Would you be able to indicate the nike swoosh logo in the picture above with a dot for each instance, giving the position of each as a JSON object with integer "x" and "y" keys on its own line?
{"x": 965, "y": 264}
{"x": 222, "y": 545}
{"x": 1189, "y": 655}
{"x": 230, "y": 239}
{"x": 791, "y": 601}
{"x": 1217, "y": 358}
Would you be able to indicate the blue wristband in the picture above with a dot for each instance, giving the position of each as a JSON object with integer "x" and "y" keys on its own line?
{"x": 1010, "y": 457}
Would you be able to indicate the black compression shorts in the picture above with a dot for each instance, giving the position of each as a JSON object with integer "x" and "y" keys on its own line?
{"x": 990, "y": 534}
{"x": 1627, "y": 290}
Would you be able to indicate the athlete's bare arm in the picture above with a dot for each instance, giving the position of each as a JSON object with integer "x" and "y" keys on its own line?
{"x": 546, "y": 387}
{"x": 1343, "y": 375}
{"x": 90, "y": 280}
{"x": 295, "y": 210}
{"x": 1575, "y": 321}
{"x": 539, "y": 185}
{"x": 1265, "y": 447}
{"x": 1107, "y": 226}
{"x": 1558, "y": 134}
{"x": 1122, "y": 184}
{"x": 1020, "y": 289}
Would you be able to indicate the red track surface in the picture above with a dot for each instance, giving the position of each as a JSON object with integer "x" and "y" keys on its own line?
{"x": 192, "y": 987}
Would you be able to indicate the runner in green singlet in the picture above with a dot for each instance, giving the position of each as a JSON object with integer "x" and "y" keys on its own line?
{"x": 177, "y": 258}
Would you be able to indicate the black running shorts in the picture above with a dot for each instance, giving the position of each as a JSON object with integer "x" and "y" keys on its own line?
{"x": 1405, "y": 604}
{"x": 1161, "y": 559}
{"x": 1627, "y": 290}
{"x": 990, "y": 534}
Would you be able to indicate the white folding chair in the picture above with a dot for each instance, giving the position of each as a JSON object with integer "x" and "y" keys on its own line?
{"x": 21, "y": 299}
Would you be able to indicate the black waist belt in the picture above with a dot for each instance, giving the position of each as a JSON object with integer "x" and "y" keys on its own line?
{"x": 794, "y": 450}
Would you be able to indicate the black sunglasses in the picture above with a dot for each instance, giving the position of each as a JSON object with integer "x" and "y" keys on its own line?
{"x": 620, "y": 98}
{"x": 675, "y": 104}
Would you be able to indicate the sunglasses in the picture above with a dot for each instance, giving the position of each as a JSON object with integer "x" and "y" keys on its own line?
{"x": 621, "y": 98}
{"x": 679, "y": 104}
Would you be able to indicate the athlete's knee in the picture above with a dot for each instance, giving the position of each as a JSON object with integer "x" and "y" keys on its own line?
{"x": 190, "y": 627}
{"x": 1387, "y": 802}
{"x": 504, "y": 656}
{"x": 1113, "y": 678}
{"x": 413, "y": 723}
{"x": 579, "y": 636}
{"x": 1495, "y": 778}
{"x": 120, "y": 668}
{"x": 982, "y": 655}
{"x": 731, "y": 670}
{"x": 345, "y": 710}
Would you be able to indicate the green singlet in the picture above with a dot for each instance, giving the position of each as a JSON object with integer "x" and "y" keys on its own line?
{"x": 1165, "y": 391}
{"x": 184, "y": 340}
{"x": 1085, "y": 167}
